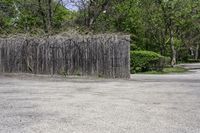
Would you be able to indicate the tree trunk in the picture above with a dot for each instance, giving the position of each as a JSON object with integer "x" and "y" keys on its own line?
{"x": 94, "y": 11}
{"x": 197, "y": 52}
{"x": 49, "y": 15}
{"x": 163, "y": 48}
{"x": 173, "y": 50}
{"x": 43, "y": 16}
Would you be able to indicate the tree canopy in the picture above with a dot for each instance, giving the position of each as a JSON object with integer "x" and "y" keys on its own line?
{"x": 168, "y": 27}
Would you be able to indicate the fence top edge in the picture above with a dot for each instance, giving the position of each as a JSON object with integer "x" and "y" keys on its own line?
{"x": 66, "y": 36}
{"x": 125, "y": 38}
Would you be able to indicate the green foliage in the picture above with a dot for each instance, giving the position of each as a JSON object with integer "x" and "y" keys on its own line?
{"x": 19, "y": 16}
{"x": 193, "y": 61}
{"x": 63, "y": 15}
{"x": 174, "y": 70}
{"x": 133, "y": 47}
{"x": 168, "y": 70}
{"x": 165, "y": 61}
{"x": 152, "y": 24}
{"x": 142, "y": 61}
{"x": 183, "y": 54}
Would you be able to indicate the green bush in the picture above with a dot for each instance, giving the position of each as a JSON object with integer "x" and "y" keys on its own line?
{"x": 142, "y": 61}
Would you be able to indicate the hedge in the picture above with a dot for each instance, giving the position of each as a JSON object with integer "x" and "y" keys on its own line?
{"x": 142, "y": 61}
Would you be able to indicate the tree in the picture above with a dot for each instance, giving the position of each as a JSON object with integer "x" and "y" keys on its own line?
{"x": 29, "y": 16}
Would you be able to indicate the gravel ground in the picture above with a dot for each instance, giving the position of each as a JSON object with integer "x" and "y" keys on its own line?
{"x": 143, "y": 104}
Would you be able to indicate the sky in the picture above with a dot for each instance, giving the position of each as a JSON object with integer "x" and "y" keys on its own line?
{"x": 69, "y": 5}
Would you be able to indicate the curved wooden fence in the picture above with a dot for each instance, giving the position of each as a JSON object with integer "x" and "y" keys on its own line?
{"x": 99, "y": 55}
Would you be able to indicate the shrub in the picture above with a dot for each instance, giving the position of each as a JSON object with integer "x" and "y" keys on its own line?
{"x": 142, "y": 61}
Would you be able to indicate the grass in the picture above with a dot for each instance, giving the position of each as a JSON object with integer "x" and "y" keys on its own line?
{"x": 168, "y": 70}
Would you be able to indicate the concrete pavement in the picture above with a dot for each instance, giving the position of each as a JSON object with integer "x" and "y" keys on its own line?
{"x": 144, "y": 104}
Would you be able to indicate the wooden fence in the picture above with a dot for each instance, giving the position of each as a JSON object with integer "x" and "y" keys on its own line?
{"x": 99, "y": 55}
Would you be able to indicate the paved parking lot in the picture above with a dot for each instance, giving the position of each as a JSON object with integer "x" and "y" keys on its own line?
{"x": 144, "y": 104}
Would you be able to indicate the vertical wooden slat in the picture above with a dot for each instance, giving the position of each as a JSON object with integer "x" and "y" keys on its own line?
{"x": 97, "y": 55}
